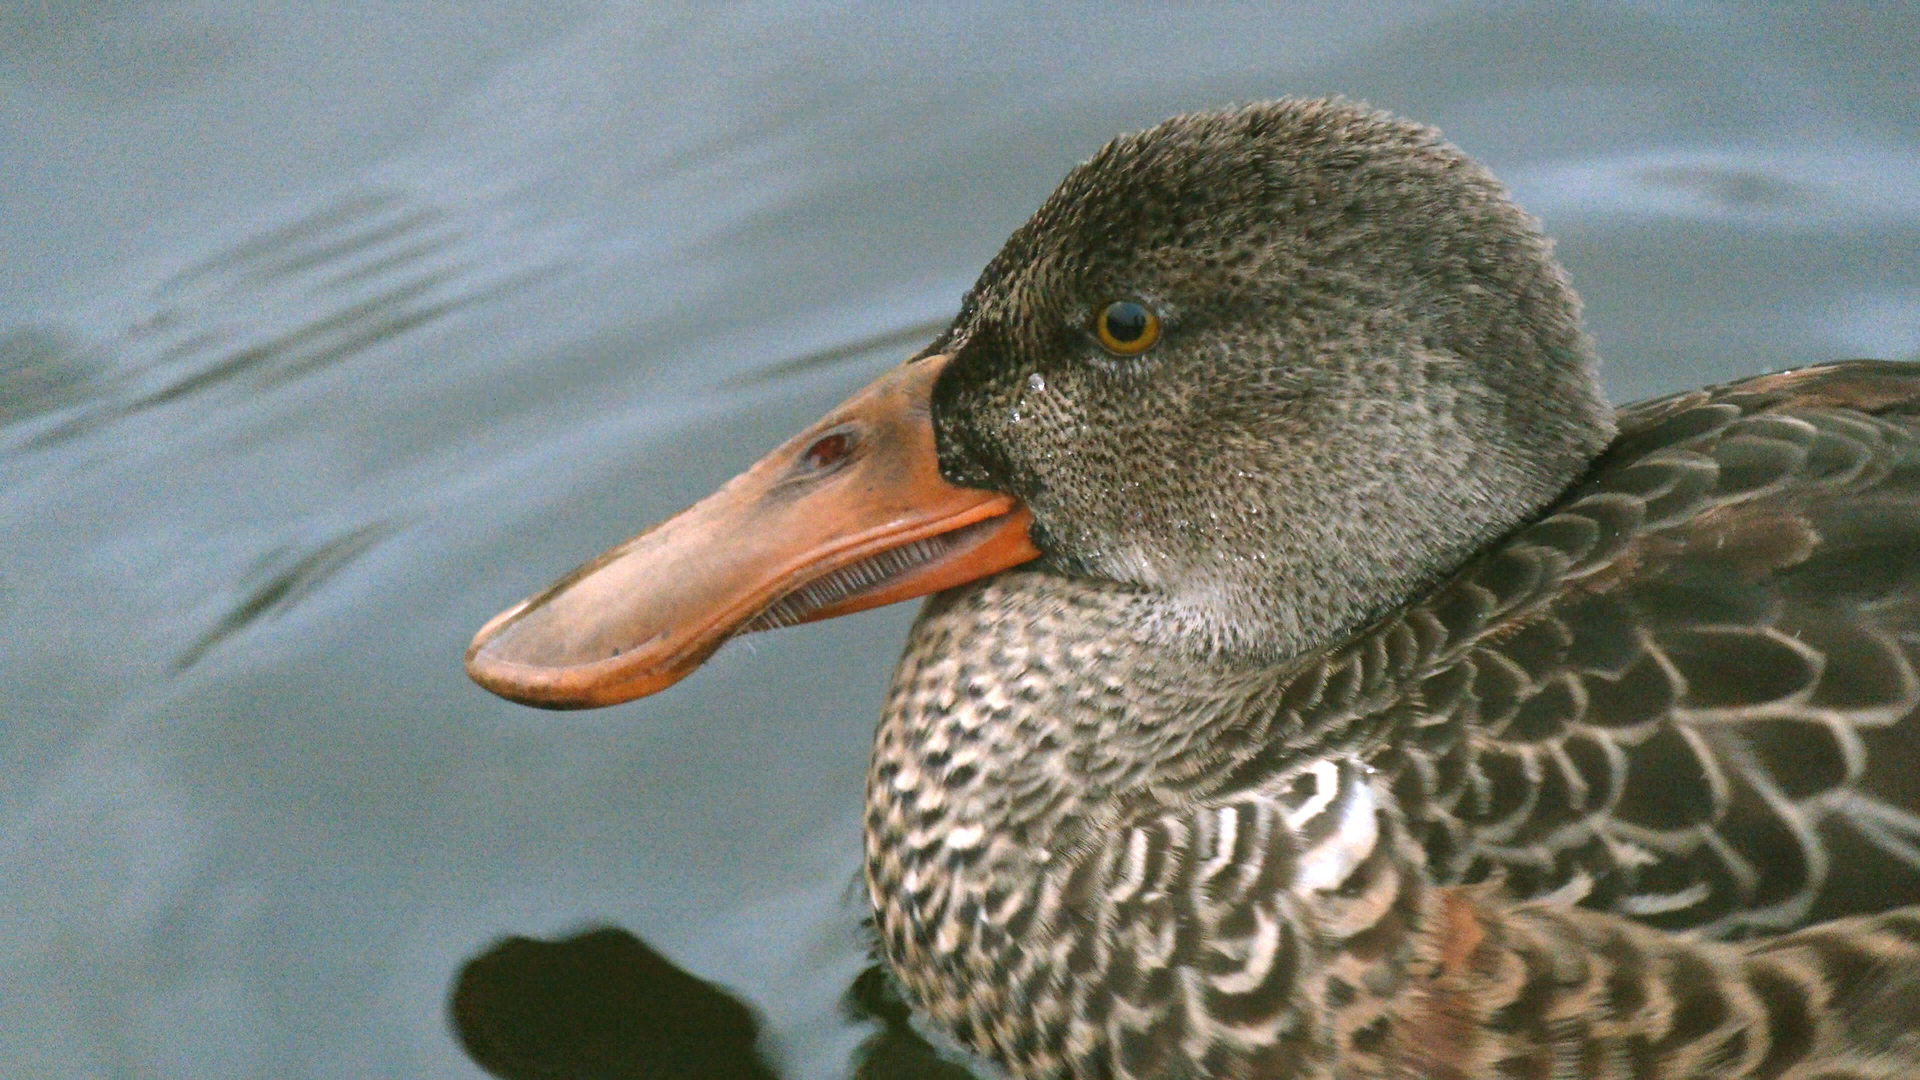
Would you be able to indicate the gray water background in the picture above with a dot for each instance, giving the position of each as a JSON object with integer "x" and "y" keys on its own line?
{"x": 324, "y": 336}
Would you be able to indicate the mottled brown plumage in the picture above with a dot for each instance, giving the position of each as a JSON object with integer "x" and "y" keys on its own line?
{"x": 1675, "y": 685}
{"x": 1543, "y": 990}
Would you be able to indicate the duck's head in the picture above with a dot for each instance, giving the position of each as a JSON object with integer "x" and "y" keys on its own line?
{"x": 1271, "y": 369}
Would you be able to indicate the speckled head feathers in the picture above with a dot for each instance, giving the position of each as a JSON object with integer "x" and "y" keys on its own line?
{"x": 1370, "y": 366}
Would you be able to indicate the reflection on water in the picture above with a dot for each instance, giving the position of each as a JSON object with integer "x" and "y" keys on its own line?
{"x": 601, "y": 1003}
{"x": 323, "y": 337}
{"x": 897, "y": 1050}
{"x": 604, "y": 1005}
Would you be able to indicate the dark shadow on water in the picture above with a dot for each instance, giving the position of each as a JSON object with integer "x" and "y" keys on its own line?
{"x": 603, "y": 1005}
{"x": 600, "y": 1005}
{"x": 896, "y": 1051}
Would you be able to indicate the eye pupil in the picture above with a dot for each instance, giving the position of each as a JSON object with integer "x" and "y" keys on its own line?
{"x": 1127, "y": 322}
{"x": 829, "y": 449}
{"x": 1127, "y": 327}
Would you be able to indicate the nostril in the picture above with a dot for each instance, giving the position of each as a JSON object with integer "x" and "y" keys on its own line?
{"x": 829, "y": 449}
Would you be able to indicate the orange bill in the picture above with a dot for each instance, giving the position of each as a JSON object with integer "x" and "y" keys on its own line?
{"x": 849, "y": 514}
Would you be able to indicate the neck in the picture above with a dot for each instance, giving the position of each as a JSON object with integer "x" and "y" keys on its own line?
{"x": 1028, "y": 711}
{"x": 1056, "y": 690}
{"x": 1032, "y": 707}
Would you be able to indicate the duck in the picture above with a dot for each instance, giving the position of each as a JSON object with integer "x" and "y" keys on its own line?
{"x": 1267, "y": 503}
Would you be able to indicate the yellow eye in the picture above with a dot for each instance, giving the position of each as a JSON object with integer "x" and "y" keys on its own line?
{"x": 1127, "y": 328}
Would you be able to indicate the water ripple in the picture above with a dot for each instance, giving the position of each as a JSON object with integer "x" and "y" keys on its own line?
{"x": 284, "y": 577}
{"x": 293, "y": 298}
{"x": 1795, "y": 188}
{"x": 914, "y": 333}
